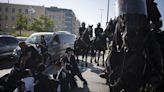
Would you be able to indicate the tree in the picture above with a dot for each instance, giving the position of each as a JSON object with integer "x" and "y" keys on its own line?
{"x": 41, "y": 24}
{"x": 21, "y": 22}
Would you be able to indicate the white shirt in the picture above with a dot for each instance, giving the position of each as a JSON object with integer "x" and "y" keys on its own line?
{"x": 29, "y": 83}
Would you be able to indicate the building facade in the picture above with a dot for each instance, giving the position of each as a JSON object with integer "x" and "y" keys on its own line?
{"x": 9, "y": 12}
{"x": 64, "y": 19}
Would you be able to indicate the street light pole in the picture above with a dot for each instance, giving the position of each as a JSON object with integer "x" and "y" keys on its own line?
{"x": 31, "y": 10}
{"x": 107, "y": 13}
{"x": 101, "y": 10}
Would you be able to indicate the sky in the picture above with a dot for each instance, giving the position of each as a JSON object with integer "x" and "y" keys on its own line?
{"x": 88, "y": 11}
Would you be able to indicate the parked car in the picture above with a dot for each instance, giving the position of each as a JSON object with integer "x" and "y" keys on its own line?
{"x": 57, "y": 42}
{"x": 7, "y": 44}
{"x": 21, "y": 38}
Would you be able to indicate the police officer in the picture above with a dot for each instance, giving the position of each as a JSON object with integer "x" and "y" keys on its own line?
{"x": 153, "y": 14}
{"x": 82, "y": 29}
{"x": 98, "y": 30}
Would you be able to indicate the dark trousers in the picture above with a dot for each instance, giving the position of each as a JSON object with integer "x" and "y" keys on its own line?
{"x": 78, "y": 73}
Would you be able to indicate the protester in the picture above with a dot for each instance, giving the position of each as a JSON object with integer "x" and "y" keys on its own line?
{"x": 3, "y": 84}
{"x": 14, "y": 76}
{"x": 29, "y": 58}
{"x": 28, "y": 79}
{"x": 70, "y": 58}
{"x": 61, "y": 81}
{"x": 42, "y": 82}
{"x": 20, "y": 87}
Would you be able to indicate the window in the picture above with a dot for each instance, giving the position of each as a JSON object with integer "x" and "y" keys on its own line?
{"x": 55, "y": 40}
{"x": 8, "y": 41}
{"x": 67, "y": 39}
{"x": 20, "y": 10}
{"x": 6, "y": 17}
{"x": 11, "y": 41}
{"x": 2, "y": 42}
{"x": 36, "y": 39}
{"x": 13, "y": 18}
{"x": 13, "y": 10}
{"x": 33, "y": 39}
{"x": 6, "y": 9}
{"x": 0, "y": 9}
{"x": 26, "y": 11}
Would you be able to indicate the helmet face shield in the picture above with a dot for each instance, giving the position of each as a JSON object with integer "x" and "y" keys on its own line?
{"x": 130, "y": 7}
{"x": 132, "y": 15}
{"x": 83, "y": 24}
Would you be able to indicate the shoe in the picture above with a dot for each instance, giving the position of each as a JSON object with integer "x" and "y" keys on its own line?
{"x": 103, "y": 75}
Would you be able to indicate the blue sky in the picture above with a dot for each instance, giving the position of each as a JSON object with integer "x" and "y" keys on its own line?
{"x": 88, "y": 11}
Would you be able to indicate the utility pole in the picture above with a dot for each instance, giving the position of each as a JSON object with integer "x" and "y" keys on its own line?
{"x": 8, "y": 1}
{"x": 107, "y": 12}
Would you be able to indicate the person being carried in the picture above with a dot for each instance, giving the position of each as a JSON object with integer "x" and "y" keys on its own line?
{"x": 42, "y": 81}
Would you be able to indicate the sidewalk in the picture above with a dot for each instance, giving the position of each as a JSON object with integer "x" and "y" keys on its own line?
{"x": 95, "y": 83}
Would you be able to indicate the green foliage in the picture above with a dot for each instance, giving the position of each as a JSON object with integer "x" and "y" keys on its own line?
{"x": 41, "y": 24}
{"x": 21, "y": 22}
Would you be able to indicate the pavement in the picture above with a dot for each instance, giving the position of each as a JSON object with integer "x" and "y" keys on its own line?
{"x": 91, "y": 74}
{"x": 95, "y": 83}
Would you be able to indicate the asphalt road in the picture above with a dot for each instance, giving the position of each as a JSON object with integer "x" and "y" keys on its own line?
{"x": 95, "y": 83}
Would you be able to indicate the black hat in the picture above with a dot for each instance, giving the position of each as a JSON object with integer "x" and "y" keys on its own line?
{"x": 41, "y": 67}
{"x": 69, "y": 49}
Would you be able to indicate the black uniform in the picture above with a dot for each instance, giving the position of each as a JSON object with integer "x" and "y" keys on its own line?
{"x": 98, "y": 31}
{"x": 74, "y": 67}
{"x": 81, "y": 31}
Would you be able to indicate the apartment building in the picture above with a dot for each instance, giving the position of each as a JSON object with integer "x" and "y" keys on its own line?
{"x": 9, "y": 12}
{"x": 64, "y": 19}
{"x": 58, "y": 17}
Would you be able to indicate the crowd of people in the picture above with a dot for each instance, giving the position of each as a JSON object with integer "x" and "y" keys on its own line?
{"x": 28, "y": 74}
